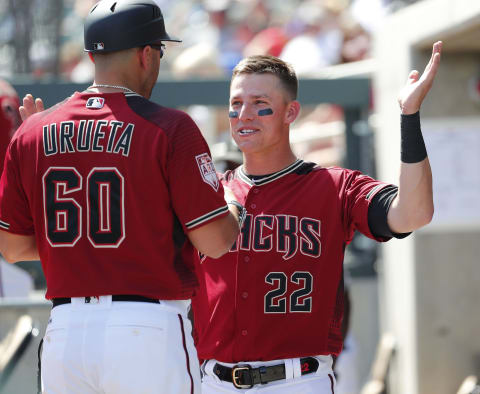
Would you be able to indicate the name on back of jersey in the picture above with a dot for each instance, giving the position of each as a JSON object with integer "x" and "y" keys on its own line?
{"x": 88, "y": 136}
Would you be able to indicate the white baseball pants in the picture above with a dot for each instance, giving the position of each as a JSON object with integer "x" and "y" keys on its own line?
{"x": 119, "y": 348}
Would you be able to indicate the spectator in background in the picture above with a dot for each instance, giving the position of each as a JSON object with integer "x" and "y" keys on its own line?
{"x": 320, "y": 42}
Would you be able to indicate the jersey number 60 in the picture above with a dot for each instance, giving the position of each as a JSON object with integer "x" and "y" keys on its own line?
{"x": 104, "y": 196}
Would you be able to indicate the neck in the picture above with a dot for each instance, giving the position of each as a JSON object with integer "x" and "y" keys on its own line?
{"x": 111, "y": 86}
{"x": 262, "y": 164}
{"x": 115, "y": 77}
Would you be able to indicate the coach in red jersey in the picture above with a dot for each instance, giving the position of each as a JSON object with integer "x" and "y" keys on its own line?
{"x": 110, "y": 191}
{"x": 268, "y": 315}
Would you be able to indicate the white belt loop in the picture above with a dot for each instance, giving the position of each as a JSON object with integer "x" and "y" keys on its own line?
{"x": 208, "y": 369}
{"x": 325, "y": 364}
{"x": 77, "y": 301}
{"x": 179, "y": 306}
{"x": 289, "y": 369}
{"x": 297, "y": 368}
{"x": 105, "y": 300}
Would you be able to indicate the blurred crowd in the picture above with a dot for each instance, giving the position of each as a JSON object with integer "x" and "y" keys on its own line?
{"x": 44, "y": 38}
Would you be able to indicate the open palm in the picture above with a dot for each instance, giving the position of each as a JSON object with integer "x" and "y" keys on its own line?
{"x": 417, "y": 87}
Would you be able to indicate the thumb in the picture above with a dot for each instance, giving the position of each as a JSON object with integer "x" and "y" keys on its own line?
{"x": 413, "y": 77}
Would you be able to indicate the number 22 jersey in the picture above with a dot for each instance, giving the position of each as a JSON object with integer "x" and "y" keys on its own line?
{"x": 278, "y": 293}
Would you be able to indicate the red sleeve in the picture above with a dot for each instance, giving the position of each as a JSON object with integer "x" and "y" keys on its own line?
{"x": 195, "y": 190}
{"x": 14, "y": 207}
{"x": 358, "y": 191}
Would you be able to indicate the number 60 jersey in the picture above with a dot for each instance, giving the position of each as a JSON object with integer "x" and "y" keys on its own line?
{"x": 278, "y": 293}
{"x": 105, "y": 182}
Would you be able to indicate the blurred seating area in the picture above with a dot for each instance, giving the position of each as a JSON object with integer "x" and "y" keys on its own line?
{"x": 44, "y": 38}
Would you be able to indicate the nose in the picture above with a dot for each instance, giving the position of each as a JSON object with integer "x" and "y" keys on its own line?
{"x": 246, "y": 112}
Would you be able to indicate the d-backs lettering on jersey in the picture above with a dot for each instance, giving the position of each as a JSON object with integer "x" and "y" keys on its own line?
{"x": 286, "y": 268}
{"x": 284, "y": 234}
{"x": 107, "y": 191}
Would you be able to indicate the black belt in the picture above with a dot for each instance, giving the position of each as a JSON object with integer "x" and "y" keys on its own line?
{"x": 243, "y": 376}
{"x": 117, "y": 297}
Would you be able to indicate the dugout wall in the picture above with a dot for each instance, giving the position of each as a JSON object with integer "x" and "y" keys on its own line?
{"x": 429, "y": 282}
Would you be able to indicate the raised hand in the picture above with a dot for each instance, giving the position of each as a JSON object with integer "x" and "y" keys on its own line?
{"x": 417, "y": 87}
{"x": 30, "y": 106}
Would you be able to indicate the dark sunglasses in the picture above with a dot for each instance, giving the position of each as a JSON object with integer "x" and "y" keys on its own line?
{"x": 160, "y": 47}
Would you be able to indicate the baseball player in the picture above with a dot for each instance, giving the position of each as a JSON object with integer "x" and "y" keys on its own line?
{"x": 99, "y": 188}
{"x": 268, "y": 314}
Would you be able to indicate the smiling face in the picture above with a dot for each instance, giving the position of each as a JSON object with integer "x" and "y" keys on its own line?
{"x": 254, "y": 133}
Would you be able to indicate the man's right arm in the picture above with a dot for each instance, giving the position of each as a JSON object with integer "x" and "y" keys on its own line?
{"x": 14, "y": 247}
{"x": 216, "y": 238}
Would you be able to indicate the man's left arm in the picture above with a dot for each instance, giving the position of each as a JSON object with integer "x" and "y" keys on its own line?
{"x": 413, "y": 206}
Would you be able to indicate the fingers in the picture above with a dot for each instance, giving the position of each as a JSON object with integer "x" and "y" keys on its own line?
{"x": 39, "y": 105}
{"x": 434, "y": 59}
{"x": 23, "y": 113}
{"x": 30, "y": 106}
{"x": 431, "y": 68}
{"x": 418, "y": 86}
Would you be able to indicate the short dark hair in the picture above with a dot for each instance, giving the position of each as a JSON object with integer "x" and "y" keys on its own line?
{"x": 263, "y": 64}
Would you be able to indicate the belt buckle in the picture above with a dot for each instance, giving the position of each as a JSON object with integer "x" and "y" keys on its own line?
{"x": 235, "y": 376}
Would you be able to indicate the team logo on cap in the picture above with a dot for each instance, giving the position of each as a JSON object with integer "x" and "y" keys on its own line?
{"x": 95, "y": 102}
{"x": 98, "y": 46}
{"x": 207, "y": 169}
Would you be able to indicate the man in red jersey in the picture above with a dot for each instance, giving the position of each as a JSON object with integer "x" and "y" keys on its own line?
{"x": 99, "y": 188}
{"x": 9, "y": 116}
{"x": 268, "y": 314}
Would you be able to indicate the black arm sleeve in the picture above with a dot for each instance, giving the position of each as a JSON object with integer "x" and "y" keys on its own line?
{"x": 378, "y": 210}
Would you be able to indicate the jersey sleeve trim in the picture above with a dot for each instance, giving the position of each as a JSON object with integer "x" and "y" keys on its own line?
{"x": 208, "y": 216}
{"x": 4, "y": 225}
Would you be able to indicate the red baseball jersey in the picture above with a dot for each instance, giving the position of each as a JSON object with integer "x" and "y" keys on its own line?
{"x": 279, "y": 292}
{"x": 110, "y": 184}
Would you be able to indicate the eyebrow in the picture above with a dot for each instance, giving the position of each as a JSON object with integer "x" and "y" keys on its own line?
{"x": 256, "y": 96}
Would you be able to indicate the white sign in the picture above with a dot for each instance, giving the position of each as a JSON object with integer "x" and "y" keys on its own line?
{"x": 453, "y": 147}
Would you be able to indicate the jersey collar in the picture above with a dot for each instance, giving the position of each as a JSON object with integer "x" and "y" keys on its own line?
{"x": 126, "y": 94}
{"x": 269, "y": 178}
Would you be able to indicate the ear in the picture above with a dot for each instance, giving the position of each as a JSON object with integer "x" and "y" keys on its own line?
{"x": 292, "y": 112}
{"x": 144, "y": 56}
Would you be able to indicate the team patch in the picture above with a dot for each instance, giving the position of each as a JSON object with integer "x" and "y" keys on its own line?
{"x": 98, "y": 46}
{"x": 207, "y": 169}
{"x": 95, "y": 102}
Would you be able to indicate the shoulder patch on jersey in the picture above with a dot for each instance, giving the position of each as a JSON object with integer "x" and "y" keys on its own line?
{"x": 207, "y": 170}
{"x": 95, "y": 103}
